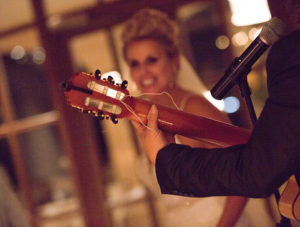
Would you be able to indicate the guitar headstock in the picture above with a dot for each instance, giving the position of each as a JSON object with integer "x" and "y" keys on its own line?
{"x": 101, "y": 97}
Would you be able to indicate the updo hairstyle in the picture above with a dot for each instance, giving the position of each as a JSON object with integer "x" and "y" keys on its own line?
{"x": 151, "y": 24}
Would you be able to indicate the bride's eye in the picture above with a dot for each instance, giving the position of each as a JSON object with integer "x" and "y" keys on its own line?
{"x": 152, "y": 60}
{"x": 133, "y": 64}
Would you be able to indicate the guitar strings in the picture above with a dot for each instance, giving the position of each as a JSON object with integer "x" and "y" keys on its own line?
{"x": 134, "y": 113}
{"x": 161, "y": 93}
{"x": 128, "y": 107}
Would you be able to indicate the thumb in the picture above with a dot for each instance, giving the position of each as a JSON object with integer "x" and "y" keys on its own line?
{"x": 152, "y": 118}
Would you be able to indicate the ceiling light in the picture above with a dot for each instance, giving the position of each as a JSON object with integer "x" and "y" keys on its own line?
{"x": 248, "y": 12}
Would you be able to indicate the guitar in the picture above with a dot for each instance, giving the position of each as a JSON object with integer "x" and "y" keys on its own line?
{"x": 289, "y": 203}
{"x": 105, "y": 99}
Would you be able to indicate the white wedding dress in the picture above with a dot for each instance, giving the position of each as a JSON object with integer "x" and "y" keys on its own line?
{"x": 186, "y": 211}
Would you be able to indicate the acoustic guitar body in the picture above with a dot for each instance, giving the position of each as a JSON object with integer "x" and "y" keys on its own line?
{"x": 289, "y": 203}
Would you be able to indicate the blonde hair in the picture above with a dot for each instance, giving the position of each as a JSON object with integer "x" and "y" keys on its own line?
{"x": 151, "y": 24}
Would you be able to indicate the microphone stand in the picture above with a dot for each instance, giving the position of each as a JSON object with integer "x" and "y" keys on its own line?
{"x": 246, "y": 93}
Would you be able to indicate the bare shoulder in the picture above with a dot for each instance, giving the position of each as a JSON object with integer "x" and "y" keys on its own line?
{"x": 199, "y": 105}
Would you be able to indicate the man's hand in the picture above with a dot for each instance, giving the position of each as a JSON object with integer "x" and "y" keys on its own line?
{"x": 152, "y": 138}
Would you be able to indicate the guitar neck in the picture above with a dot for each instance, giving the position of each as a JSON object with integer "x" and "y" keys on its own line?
{"x": 189, "y": 125}
{"x": 87, "y": 93}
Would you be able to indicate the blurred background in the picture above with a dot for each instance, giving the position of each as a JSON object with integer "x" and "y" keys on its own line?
{"x": 71, "y": 169}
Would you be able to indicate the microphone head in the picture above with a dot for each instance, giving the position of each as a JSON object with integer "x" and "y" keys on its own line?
{"x": 272, "y": 31}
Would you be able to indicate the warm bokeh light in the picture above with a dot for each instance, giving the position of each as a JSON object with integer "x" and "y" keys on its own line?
{"x": 240, "y": 39}
{"x": 54, "y": 20}
{"x": 222, "y": 42}
{"x": 254, "y": 32}
{"x": 38, "y": 55}
{"x": 248, "y": 12}
{"x": 18, "y": 52}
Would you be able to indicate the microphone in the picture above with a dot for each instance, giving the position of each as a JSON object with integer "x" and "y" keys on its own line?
{"x": 241, "y": 66}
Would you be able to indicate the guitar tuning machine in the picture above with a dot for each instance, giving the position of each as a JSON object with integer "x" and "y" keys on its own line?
{"x": 88, "y": 111}
{"x": 111, "y": 79}
{"x": 114, "y": 118}
{"x": 94, "y": 113}
{"x": 101, "y": 115}
{"x": 124, "y": 84}
{"x": 97, "y": 74}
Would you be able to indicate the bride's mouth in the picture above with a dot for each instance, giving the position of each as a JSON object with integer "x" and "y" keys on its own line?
{"x": 148, "y": 82}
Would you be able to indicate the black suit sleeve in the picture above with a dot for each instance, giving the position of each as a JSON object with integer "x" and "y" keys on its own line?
{"x": 255, "y": 169}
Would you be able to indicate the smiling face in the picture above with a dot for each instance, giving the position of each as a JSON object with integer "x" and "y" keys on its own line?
{"x": 150, "y": 66}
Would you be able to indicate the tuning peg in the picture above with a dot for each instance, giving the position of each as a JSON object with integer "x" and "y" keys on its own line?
{"x": 111, "y": 79}
{"x": 85, "y": 111}
{"x": 101, "y": 115}
{"x": 65, "y": 86}
{"x": 114, "y": 118}
{"x": 94, "y": 113}
{"x": 97, "y": 74}
{"x": 124, "y": 84}
{"x": 107, "y": 117}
